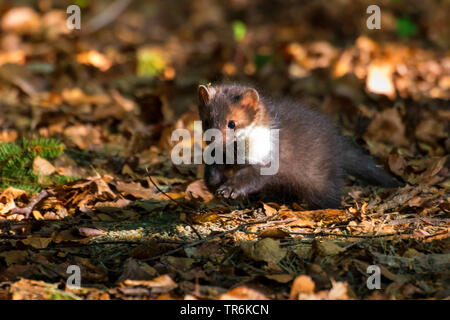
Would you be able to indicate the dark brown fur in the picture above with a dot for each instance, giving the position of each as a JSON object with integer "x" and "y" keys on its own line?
{"x": 314, "y": 157}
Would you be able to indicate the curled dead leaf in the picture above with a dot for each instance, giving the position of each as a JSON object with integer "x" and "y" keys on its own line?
{"x": 7, "y": 198}
{"x": 135, "y": 189}
{"x": 198, "y": 190}
{"x": 387, "y": 126}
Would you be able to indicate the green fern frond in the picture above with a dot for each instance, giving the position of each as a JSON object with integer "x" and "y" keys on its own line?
{"x": 16, "y": 163}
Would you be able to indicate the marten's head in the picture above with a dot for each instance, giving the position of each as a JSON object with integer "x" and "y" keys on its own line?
{"x": 231, "y": 107}
{"x": 240, "y": 115}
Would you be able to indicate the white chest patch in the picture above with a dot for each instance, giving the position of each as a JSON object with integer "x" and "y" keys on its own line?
{"x": 259, "y": 143}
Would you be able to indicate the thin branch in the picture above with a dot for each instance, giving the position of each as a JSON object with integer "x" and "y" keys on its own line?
{"x": 169, "y": 197}
{"x": 178, "y": 203}
{"x": 311, "y": 234}
{"x": 29, "y": 208}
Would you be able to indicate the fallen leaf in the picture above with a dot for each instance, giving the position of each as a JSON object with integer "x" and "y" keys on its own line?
{"x": 37, "y": 242}
{"x": 180, "y": 263}
{"x": 198, "y": 190}
{"x": 42, "y": 167}
{"x": 268, "y": 210}
{"x": 160, "y": 284}
{"x": 387, "y": 126}
{"x": 281, "y": 278}
{"x": 274, "y": 233}
{"x": 135, "y": 189}
{"x": 339, "y": 291}
{"x": 96, "y": 59}
{"x": 22, "y": 20}
{"x": 14, "y": 256}
{"x": 302, "y": 284}
{"x": 135, "y": 270}
{"x": 397, "y": 164}
{"x": 25, "y": 289}
{"x": 7, "y": 198}
{"x": 90, "y": 232}
{"x": 37, "y": 215}
{"x": 327, "y": 248}
{"x": 266, "y": 249}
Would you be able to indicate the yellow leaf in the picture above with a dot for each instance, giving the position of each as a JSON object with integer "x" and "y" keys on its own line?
{"x": 37, "y": 215}
{"x": 37, "y": 242}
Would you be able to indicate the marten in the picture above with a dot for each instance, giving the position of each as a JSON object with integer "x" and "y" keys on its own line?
{"x": 314, "y": 158}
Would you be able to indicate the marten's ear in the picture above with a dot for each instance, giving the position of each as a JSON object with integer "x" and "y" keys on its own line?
{"x": 250, "y": 98}
{"x": 205, "y": 94}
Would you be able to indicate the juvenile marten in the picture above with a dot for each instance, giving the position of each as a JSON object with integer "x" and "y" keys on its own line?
{"x": 314, "y": 158}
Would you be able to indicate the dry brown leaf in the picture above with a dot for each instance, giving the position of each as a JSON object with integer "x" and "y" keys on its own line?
{"x": 160, "y": 284}
{"x": 75, "y": 96}
{"x": 397, "y": 164}
{"x": 14, "y": 256}
{"x": 268, "y": 210}
{"x": 275, "y": 233}
{"x": 266, "y": 249}
{"x": 37, "y": 242}
{"x": 84, "y": 136}
{"x": 7, "y": 198}
{"x": 25, "y": 289}
{"x": 42, "y": 167}
{"x": 90, "y": 232}
{"x": 96, "y": 59}
{"x": 281, "y": 278}
{"x": 387, "y": 126}
{"x": 327, "y": 248}
{"x": 302, "y": 284}
{"x": 135, "y": 270}
{"x": 135, "y": 189}
{"x": 339, "y": 291}
{"x": 198, "y": 190}
{"x": 23, "y": 20}
{"x": 180, "y": 263}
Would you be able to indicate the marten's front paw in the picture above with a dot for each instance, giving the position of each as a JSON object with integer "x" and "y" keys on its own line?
{"x": 231, "y": 191}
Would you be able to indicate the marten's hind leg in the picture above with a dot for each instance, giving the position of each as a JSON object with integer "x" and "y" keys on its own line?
{"x": 322, "y": 192}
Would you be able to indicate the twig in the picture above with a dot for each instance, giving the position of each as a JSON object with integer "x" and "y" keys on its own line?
{"x": 29, "y": 208}
{"x": 193, "y": 244}
{"x": 381, "y": 226}
{"x": 178, "y": 203}
{"x": 310, "y": 234}
{"x": 169, "y": 197}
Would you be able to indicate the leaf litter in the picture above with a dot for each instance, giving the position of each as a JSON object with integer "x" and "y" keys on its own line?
{"x": 141, "y": 227}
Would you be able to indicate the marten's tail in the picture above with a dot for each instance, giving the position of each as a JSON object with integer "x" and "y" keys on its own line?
{"x": 361, "y": 165}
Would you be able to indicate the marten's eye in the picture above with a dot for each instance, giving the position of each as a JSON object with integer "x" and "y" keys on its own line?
{"x": 231, "y": 124}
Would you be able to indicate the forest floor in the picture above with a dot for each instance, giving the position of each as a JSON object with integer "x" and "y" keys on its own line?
{"x": 139, "y": 227}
